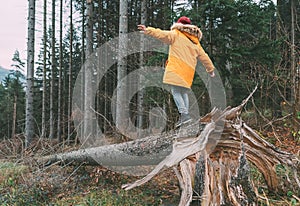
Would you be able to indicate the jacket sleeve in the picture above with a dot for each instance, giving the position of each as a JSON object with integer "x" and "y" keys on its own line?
{"x": 205, "y": 60}
{"x": 163, "y": 35}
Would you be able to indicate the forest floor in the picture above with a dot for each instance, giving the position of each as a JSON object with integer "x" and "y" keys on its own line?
{"x": 24, "y": 182}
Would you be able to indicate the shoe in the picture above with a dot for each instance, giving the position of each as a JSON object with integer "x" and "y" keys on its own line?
{"x": 184, "y": 119}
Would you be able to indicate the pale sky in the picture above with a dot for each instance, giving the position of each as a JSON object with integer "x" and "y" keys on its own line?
{"x": 13, "y": 30}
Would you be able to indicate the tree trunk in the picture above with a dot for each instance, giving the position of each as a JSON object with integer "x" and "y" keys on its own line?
{"x": 13, "y": 129}
{"x": 88, "y": 97}
{"x": 141, "y": 78}
{"x": 121, "y": 110}
{"x": 70, "y": 73}
{"x": 212, "y": 160}
{"x": 81, "y": 130}
{"x": 53, "y": 68}
{"x": 44, "y": 71}
{"x": 59, "y": 99}
{"x": 294, "y": 72}
{"x": 29, "y": 124}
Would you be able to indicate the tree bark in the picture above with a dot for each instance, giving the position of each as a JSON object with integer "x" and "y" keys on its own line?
{"x": 53, "y": 70}
{"x": 141, "y": 78}
{"x": 44, "y": 70}
{"x": 210, "y": 157}
{"x": 29, "y": 124}
{"x": 13, "y": 129}
{"x": 83, "y": 34}
{"x": 294, "y": 72}
{"x": 121, "y": 110}
{"x": 59, "y": 99}
{"x": 70, "y": 73}
{"x": 88, "y": 76}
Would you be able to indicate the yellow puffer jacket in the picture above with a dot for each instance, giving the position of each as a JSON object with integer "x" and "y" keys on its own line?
{"x": 184, "y": 51}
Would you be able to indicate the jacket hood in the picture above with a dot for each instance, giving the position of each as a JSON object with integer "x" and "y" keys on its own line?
{"x": 188, "y": 29}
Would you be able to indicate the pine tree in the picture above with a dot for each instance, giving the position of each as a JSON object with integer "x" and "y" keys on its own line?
{"x": 44, "y": 70}
{"x": 70, "y": 72}
{"x": 88, "y": 74}
{"x": 60, "y": 103}
{"x": 29, "y": 126}
{"x": 53, "y": 72}
{"x": 121, "y": 110}
{"x": 16, "y": 89}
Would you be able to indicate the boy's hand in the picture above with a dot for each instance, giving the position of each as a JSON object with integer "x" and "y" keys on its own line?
{"x": 212, "y": 74}
{"x": 141, "y": 27}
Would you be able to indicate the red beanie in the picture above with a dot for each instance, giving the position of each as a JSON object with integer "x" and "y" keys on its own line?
{"x": 184, "y": 20}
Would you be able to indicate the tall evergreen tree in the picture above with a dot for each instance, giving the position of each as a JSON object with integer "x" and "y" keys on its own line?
{"x": 44, "y": 70}
{"x": 29, "y": 125}
{"x": 88, "y": 74}
{"x": 60, "y": 103}
{"x": 53, "y": 72}
{"x": 70, "y": 72}
{"x": 16, "y": 86}
{"x": 12, "y": 100}
{"x": 122, "y": 66}
{"x": 140, "y": 98}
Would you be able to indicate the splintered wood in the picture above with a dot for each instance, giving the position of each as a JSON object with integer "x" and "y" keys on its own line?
{"x": 213, "y": 166}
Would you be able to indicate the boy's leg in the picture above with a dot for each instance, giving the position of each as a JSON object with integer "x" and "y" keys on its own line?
{"x": 180, "y": 96}
{"x": 179, "y": 100}
{"x": 185, "y": 97}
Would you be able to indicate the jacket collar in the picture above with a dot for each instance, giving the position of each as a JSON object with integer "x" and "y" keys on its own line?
{"x": 189, "y": 30}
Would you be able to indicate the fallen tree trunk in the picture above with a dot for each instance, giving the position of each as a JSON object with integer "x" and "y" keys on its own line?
{"x": 218, "y": 172}
{"x": 211, "y": 163}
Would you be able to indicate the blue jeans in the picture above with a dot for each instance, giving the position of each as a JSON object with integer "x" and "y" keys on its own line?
{"x": 181, "y": 98}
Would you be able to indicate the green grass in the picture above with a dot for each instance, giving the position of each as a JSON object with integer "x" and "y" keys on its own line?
{"x": 9, "y": 173}
{"x": 60, "y": 186}
{"x": 109, "y": 198}
{"x": 12, "y": 189}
